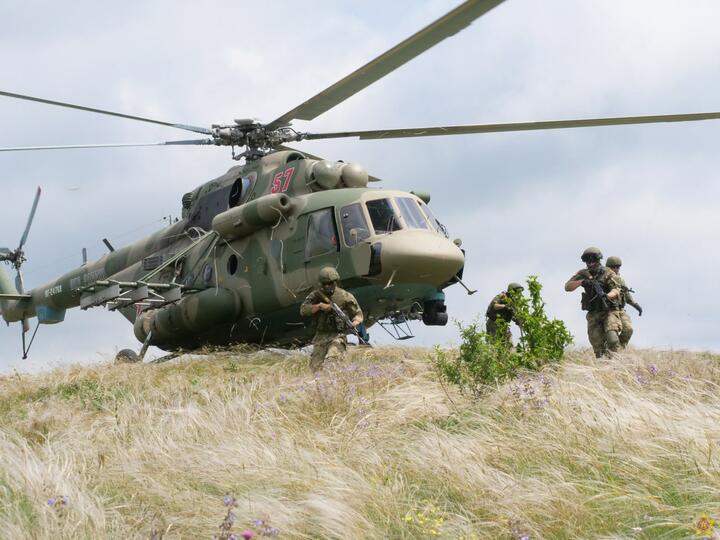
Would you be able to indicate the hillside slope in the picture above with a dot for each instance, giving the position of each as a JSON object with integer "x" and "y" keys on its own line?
{"x": 374, "y": 448}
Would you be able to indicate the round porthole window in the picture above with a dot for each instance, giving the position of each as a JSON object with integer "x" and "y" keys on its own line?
{"x": 232, "y": 265}
{"x": 207, "y": 273}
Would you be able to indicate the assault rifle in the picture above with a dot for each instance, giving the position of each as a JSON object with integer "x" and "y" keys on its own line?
{"x": 632, "y": 303}
{"x": 596, "y": 293}
{"x": 340, "y": 314}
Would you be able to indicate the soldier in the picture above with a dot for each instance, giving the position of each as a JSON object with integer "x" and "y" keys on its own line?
{"x": 614, "y": 263}
{"x": 603, "y": 318}
{"x": 501, "y": 306}
{"x": 330, "y": 342}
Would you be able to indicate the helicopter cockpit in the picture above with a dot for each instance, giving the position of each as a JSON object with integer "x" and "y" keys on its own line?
{"x": 387, "y": 215}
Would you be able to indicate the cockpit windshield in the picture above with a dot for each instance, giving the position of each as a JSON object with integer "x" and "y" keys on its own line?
{"x": 382, "y": 215}
{"x": 410, "y": 211}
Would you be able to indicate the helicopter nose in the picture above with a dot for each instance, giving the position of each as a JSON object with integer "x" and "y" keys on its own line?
{"x": 416, "y": 256}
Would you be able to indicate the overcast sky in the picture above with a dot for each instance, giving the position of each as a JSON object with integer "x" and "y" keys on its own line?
{"x": 523, "y": 203}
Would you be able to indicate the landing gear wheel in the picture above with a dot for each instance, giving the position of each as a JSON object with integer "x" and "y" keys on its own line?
{"x": 127, "y": 356}
{"x": 435, "y": 313}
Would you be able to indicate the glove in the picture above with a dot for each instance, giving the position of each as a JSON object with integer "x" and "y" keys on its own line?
{"x": 586, "y": 282}
{"x": 639, "y": 309}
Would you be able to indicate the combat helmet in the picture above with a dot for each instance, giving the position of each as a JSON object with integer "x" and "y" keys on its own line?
{"x": 591, "y": 254}
{"x": 328, "y": 275}
{"x": 613, "y": 261}
{"x": 515, "y": 286}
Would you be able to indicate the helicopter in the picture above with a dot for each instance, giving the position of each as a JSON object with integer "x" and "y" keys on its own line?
{"x": 203, "y": 279}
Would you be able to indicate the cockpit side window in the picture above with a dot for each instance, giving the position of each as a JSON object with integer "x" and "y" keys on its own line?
{"x": 439, "y": 227}
{"x": 321, "y": 233}
{"x": 410, "y": 211}
{"x": 382, "y": 216}
{"x": 354, "y": 225}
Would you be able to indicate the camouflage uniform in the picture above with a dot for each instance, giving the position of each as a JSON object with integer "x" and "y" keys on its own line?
{"x": 330, "y": 342}
{"x": 505, "y": 313}
{"x": 604, "y": 326}
{"x": 627, "y": 328}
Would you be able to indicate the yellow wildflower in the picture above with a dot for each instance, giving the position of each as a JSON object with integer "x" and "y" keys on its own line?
{"x": 704, "y": 525}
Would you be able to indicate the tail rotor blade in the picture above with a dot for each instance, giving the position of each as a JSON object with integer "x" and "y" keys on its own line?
{"x": 30, "y": 219}
{"x": 19, "y": 283}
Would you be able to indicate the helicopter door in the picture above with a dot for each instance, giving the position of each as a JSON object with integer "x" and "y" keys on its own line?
{"x": 321, "y": 243}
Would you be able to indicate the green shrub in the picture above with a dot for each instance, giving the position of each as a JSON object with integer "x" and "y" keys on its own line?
{"x": 483, "y": 360}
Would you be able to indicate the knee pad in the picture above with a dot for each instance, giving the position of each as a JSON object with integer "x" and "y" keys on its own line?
{"x": 613, "y": 341}
{"x": 625, "y": 337}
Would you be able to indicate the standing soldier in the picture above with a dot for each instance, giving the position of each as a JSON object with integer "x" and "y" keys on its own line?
{"x": 600, "y": 300}
{"x": 502, "y": 306}
{"x": 330, "y": 342}
{"x": 614, "y": 263}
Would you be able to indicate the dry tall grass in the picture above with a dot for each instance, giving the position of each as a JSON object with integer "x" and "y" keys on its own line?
{"x": 374, "y": 448}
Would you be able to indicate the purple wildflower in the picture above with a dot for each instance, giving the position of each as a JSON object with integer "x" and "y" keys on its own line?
{"x": 52, "y": 501}
{"x": 233, "y": 536}
{"x": 272, "y": 531}
{"x": 228, "y": 500}
{"x": 283, "y": 398}
{"x": 652, "y": 368}
{"x": 259, "y": 523}
{"x": 639, "y": 378}
{"x": 247, "y": 534}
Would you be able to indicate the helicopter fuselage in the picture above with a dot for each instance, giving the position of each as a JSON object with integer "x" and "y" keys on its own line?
{"x": 248, "y": 250}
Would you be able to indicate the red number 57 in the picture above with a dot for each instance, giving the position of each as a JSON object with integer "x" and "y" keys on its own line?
{"x": 278, "y": 185}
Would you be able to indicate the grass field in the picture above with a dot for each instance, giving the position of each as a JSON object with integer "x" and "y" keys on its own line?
{"x": 373, "y": 448}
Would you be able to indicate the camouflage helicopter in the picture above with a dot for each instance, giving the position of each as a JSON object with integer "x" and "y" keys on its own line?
{"x": 250, "y": 242}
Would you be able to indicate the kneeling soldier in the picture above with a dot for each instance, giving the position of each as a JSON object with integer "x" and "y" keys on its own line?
{"x": 330, "y": 342}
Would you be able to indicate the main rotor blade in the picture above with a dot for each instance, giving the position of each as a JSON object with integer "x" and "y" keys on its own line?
{"x": 110, "y": 113}
{"x": 446, "y": 26}
{"x": 74, "y": 146}
{"x": 517, "y": 126}
{"x": 30, "y": 220}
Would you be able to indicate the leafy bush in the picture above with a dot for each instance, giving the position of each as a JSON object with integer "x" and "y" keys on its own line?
{"x": 483, "y": 360}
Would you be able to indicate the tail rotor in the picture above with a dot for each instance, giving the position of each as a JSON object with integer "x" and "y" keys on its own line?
{"x": 16, "y": 258}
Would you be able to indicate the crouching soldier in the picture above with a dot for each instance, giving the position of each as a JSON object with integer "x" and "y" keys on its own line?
{"x": 501, "y": 306}
{"x": 330, "y": 342}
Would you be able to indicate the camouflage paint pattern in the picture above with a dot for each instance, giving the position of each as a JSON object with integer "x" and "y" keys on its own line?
{"x": 244, "y": 279}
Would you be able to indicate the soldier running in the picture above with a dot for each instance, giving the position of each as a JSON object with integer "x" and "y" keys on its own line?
{"x": 330, "y": 342}
{"x": 601, "y": 302}
{"x": 501, "y": 307}
{"x": 614, "y": 263}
